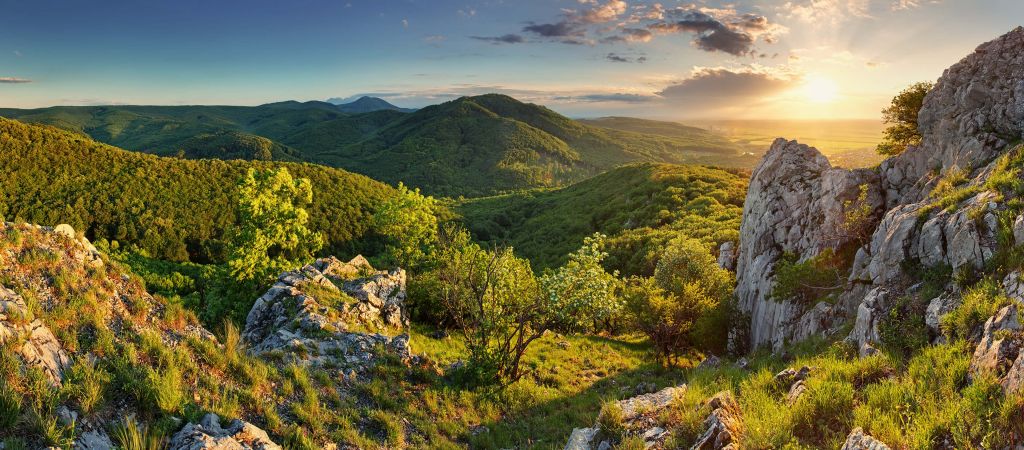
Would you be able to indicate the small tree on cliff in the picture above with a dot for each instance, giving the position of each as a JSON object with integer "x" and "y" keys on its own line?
{"x": 272, "y": 235}
{"x": 901, "y": 116}
{"x": 409, "y": 223}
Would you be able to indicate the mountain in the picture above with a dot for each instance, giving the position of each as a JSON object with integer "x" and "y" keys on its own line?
{"x": 657, "y": 128}
{"x": 366, "y": 104}
{"x": 172, "y": 208}
{"x": 639, "y": 206}
{"x": 486, "y": 144}
{"x": 471, "y": 146}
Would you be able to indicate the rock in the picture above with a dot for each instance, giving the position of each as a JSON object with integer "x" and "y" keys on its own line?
{"x": 1000, "y": 343}
{"x": 937, "y": 308}
{"x": 1013, "y": 285}
{"x": 784, "y": 380}
{"x": 795, "y": 391}
{"x": 94, "y": 440}
{"x": 869, "y": 315}
{"x": 291, "y": 320}
{"x": 65, "y": 230}
{"x": 1018, "y": 230}
{"x": 580, "y": 439}
{"x": 857, "y": 440}
{"x": 36, "y": 344}
{"x": 723, "y": 426}
{"x": 66, "y": 416}
{"x": 209, "y": 435}
{"x": 334, "y": 268}
{"x": 727, "y": 256}
{"x": 818, "y": 321}
{"x": 795, "y": 203}
{"x": 742, "y": 363}
{"x": 710, "y": 362}
{"x": 604, "y": 445}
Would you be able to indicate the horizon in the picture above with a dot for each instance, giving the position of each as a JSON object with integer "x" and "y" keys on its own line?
{"x": 676, "y": 61}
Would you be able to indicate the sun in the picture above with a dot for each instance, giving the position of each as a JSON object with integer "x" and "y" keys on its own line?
{"x": 819, "y": 89}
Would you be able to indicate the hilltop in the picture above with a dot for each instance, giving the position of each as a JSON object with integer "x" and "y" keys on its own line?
{"x": 471, "y": 146}
{"x": 366, "y": 104}
{"x": 172, "y": 208}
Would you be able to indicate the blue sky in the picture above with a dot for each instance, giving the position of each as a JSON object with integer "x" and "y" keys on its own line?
{"x": 662, "y": 59}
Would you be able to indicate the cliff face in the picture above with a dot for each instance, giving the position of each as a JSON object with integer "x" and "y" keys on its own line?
{"x": 796, "y": 201}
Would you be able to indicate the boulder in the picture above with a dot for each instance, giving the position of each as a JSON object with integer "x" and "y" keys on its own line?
{"x": 94, "y": 440}
{"x": 857, "y": 440}
{"x": 209, "y": 435}
{"x": 1000, "y": 344}
{"x": 939, "y": 307}
{"x": 727, "y": 256}
{"x": 640, "y": 415}
{"x": 580, "y": 439}
{"x": 869, "y": 316}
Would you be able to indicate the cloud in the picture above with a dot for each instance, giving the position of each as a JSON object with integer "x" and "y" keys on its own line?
{"x": 600, "y": 13}
{"x": 607, "y": 98}
{"x": 405, "y": 23}
{"x": 434, "y": 38}
{"x": 504, "y": 39}
{"x": 14, "y": 80}
{"x": 720, "y": 30}
{"x": 17, "y": 53}
{"x": 833, "y": 12}
{"x": 559, "y": 29}
{"x": 714, "y": 87}
{"x": 613, "y": 57}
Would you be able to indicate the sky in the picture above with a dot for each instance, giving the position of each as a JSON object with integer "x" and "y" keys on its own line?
{"x": 666, "y": 59}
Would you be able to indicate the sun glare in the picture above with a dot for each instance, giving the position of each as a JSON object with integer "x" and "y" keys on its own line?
{"x": 820, "y": 90}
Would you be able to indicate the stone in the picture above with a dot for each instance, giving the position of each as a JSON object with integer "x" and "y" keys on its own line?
{"x": 727, "y": 256}
{"x": 209, "y": 435}
{"x": 94, "y": 440}
{"x": 36, "y": 344}
{"x": 1018, "y": 230}
{"x": 937, "y": 308}
{"x": 710, "y": 362}
{"x": 858, "y": 440}
{"x": 999, "y": 349}
{"x": 723, "y": 425}
{"x": 580, "y": 439}
{"x": 66, "y": 231}
{"x": 869, "y": 315}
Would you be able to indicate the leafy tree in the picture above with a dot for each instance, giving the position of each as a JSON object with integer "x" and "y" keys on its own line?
{"x": 806, "y": 282}
{"x": 272, "y": 235}
{"x": 409, "y": 222}
{"x": 901, "y": 116}
{"x": 581, "y": 292}
{"x": 686, "y": 304}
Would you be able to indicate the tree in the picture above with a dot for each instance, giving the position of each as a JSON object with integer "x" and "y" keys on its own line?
{"x": 502, "y": 308}
{"x": 271, "y": 235}
{"x": 581, "y": 291}
{"x": 901, "y": 116}
{"x": 686, "y": 304}
{"x": 408, "y": 221}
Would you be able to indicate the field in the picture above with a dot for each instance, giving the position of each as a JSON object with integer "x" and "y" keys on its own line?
{"x": 847, "y": 143}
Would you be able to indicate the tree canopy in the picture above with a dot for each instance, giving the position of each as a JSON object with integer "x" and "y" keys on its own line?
{"x": 901, "y": 117}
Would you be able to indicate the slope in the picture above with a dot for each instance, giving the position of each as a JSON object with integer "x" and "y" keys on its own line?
{"x": 174, "y": 209}
{"x": 640, "y": 207}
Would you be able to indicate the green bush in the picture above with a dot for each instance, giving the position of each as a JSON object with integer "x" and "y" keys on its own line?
{"x": 903, "y": 329}
{"x": 10, "y": 407}
{"x": 901, "y": 115}
{"x": 979, "y": 302}
{"x": 87, "y": 382}
{"x": 807, "y": 282}
{"x": 610, "y": 421}
{"x": 128, "y": 435}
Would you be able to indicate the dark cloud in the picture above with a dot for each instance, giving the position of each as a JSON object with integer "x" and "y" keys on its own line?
{"x": 720, "y": 86}
{"x": 505, "y": 39}
{"x": 613, "y": 97}
{"x": 624, "y": 59}
{"x": 14, "y": 80}
{"x": 560, "y": 29}
{"x": 712, "y": 34}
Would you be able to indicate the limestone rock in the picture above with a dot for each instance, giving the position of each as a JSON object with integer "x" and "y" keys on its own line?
{"x": 1000, "y": 343}
{"x": 723, "y": 425}
{"x": 857, "y": 440}
{"x": 94, "y": 440}
{"x": 795, "y": 204}
{"x": 209, "y": 435}
{"x": 869, "y": 316}
{"x": 36, "y": 344}
{"x": 300, "y": 317}
{"x": 580, "y": 439}
{"x": 639, "y": 417}
{"x": 727, "y": 256}
{"x": 939, "y": 307}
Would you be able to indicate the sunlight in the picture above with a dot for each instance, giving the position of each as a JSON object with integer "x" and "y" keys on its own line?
{"x": 818, "y": 89}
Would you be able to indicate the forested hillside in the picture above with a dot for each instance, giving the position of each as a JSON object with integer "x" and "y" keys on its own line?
{"x": 174, "y": 209}
{"x": 641, "y": 207}
{"x": 472, "y": 146}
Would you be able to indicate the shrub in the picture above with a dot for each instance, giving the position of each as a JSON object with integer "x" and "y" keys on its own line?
{"x": 87, "y": 383}
{"x": 163, "y": 388}
{"x": 823, "y": 414}
{"x": 130, "y": 436}
{"x": 806, "y": 282}
{"x": 611, "y": 421}
{"x": 409, "y": 222}
{"x": 903, "y": 329}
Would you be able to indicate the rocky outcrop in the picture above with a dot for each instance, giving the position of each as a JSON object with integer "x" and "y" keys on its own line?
{"x": 723, "y": 425}
{"x": 795, "y": 204}
{"x": 639, "y": 417}
{"x": 999, "y": 351}
{"x": 31, "y": 339}
{"x": 858, "y": 440}
{"x": 306, "y": 317}
{"x": 209, "y": 435}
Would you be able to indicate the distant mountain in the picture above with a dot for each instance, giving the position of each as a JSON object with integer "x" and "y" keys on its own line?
{"x": 366, "y": 104}
{"x": 472, "y": 146}
{"x": 654, "y": 127}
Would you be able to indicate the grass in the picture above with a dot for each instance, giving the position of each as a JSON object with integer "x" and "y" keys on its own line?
{"x": 129, "y": 435}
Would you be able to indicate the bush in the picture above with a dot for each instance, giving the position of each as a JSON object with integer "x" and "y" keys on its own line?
{"x": 87, "y": 382}
{"x": 903, "y": 329}
{"x": 687, "y": 305}
{"x": 10, "y": 407}
{"x": 808, "y": 281}
{"x": 611, "y": 422}
{"x": 978, "y": 303}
